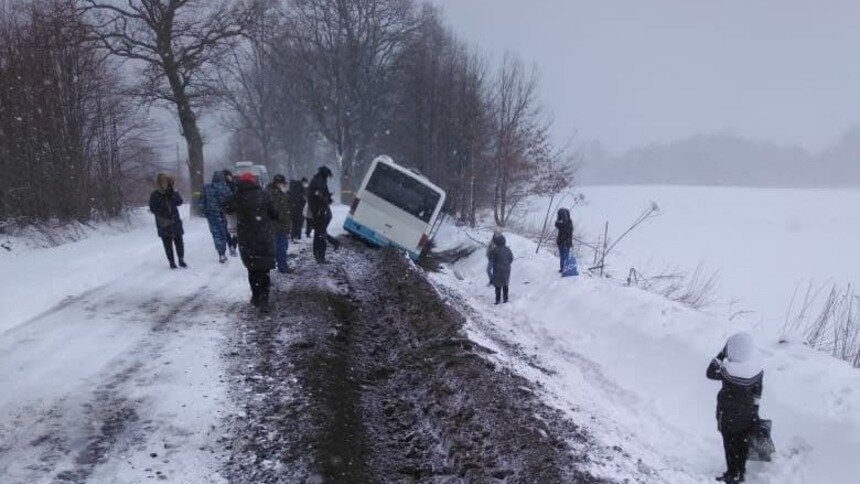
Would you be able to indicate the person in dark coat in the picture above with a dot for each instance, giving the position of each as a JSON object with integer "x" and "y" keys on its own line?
{"x": 212, "y": 205}
{"x": 281, "y": 227}
{"x": 737, "y": 402}
{"x": 164, "y": 203}
{"x": 564, "y": 240}
{"x": 232, "y": 238}
{"x": 501, "y": 258}
{"x": 254, "y": 213}
{"x": 319, "y": 205}
{"x": 298, "y": 198}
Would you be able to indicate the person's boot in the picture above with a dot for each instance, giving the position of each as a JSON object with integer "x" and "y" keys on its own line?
{"x": 222, "y": 258}
{"x": 263, "y": 303}
{"x": 182, "y": 264}
{"x": 172, "y": 263}
{"x": 233, "y": 252}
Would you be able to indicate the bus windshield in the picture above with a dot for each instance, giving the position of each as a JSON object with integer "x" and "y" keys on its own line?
{"x": 403, "y": 191}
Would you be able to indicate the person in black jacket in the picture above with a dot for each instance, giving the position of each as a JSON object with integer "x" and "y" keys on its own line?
{"x": 254, "y": 213}
{"x": 500, "y": 258}
{"x": 564, "y": 240}
{"x": 737, "y": 402}
{"x": 298, "y": 198}
{"x": 319, "y": 205}
{"x": 164, "y": 203}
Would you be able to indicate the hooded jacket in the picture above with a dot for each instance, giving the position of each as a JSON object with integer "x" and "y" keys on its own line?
{"x": 565, "y": 228}
{"x": 742, "y": 377}
{"x": 501, "y": 258}
{"x": 215, "y": 194}
{"x": 319, "y": 196}
{"x": 254, "y": 213}
{"x": 164, "y": 203}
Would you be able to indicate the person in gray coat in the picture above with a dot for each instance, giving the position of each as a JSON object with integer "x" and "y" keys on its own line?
{"x": 500, "y": 258}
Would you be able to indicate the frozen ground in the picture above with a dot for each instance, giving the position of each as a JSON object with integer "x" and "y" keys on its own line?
{"x": 763, "y": 242}
{"x": 109, "y": 362}
{"x": 632, "y": 364}
{"x": 117, "y": 370}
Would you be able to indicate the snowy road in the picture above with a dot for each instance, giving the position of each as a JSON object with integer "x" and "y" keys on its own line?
{"x": 119, "y": 370}
{"x": 121, "y": 382}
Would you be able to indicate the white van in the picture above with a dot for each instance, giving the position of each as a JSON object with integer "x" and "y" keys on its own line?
{"x": 259, "y": 171}
{"x": 395, "y": 207}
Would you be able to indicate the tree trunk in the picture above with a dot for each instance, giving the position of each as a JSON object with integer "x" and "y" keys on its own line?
{"x": 194, "y": 141}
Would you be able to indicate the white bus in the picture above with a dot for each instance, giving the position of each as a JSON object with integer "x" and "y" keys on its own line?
{"x": 395, "y": 207}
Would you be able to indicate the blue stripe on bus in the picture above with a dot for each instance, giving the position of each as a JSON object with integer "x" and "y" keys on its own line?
{"x": 371, "y": 236}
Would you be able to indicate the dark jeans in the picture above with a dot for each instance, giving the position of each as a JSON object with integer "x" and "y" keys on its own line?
{"x": 296, "y": 227}
{"x": 500, "y": 290}
{"x": 309, "y": 226}
{"x": 260, "y": 284}
{"x": 563, "y": 254}
{"x": 321, "y": 237}
{"x": 736, "y": 446}
{"x": 282, "y": 243}
{"x": 169, "y": 242}
{"x": 218, "y": 228}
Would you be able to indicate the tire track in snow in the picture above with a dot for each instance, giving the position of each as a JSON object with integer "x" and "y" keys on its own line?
{"x": 78, "y": 433}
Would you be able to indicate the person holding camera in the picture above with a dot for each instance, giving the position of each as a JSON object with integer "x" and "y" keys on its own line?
{"x": 164, "y": 203}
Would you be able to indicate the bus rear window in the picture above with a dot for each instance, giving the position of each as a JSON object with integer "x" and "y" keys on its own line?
{"x": 403, "y": 191}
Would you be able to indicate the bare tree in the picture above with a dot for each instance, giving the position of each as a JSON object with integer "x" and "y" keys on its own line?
{"x": 344, "y": 52}
{"x": 438, "y": 123}
{"x": 525, "y": 161}
{"x": 174, "y": 42}
{"x": 65, "y": 133}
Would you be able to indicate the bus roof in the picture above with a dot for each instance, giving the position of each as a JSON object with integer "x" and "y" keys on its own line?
{"x": 388, "y": 161}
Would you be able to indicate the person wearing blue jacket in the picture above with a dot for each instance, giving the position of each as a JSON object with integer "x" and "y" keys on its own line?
{"x": 214, "y": 195}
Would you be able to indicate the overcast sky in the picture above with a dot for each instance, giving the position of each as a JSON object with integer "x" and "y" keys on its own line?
{"x": 631, "y": 72}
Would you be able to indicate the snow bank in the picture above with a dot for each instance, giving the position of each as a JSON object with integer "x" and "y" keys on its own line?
{"x": 630, "y": 367}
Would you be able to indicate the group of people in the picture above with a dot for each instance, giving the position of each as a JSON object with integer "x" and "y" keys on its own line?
{"x": 500, "y": 258}
{"x": 254, "y": 222}
{"x": 735, "y": 366}
{"x": 261, "y": 223}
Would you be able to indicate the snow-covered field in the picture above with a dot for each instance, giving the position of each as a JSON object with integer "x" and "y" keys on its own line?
{"x": 764, "y": 243}
{"x": 630, "y": 365}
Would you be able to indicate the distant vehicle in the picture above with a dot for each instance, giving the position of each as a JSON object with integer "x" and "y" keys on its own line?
{"x": 395, "y": 207}
{"x": 259, "y": 171}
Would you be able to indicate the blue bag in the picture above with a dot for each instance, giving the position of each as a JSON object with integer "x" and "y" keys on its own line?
{"x": 570, "y": 267}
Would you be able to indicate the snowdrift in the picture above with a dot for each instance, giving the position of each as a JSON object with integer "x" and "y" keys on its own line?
{"x": 629, "y": 366}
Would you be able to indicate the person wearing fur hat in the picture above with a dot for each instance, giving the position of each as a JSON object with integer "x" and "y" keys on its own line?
{"x": 741, "y": 374}
{"x": 319, "y": 205}
{"x": 501, "y": 258}
{"x": 254, "y": 214}
{"x": 164, "y": 203}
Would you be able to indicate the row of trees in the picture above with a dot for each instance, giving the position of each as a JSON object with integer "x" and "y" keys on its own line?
{"x": 66, "y": 136}
{"x": 305, "y": 82}
{"x": 387, "y": 76}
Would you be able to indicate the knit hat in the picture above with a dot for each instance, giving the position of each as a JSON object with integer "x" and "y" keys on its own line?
{"x": 247, "y": 177}
{"x": 279, "y": 179}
